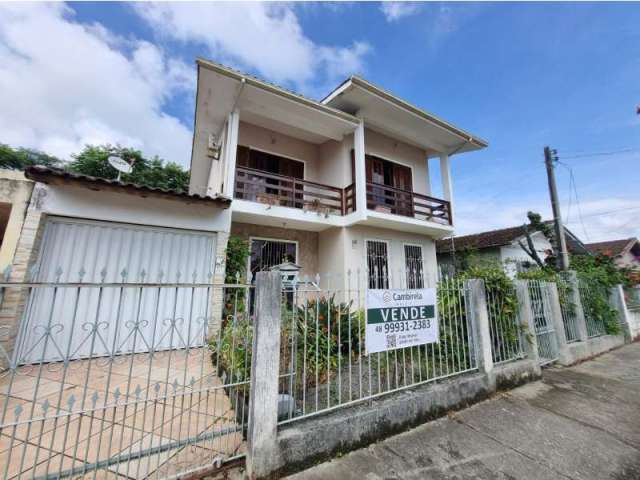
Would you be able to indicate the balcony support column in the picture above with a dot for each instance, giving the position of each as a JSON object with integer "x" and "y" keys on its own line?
{"x": 231, "y": 144}
{"x": 427, "y": 177}
{"x": 447, "y": 187}
{"x": 360, "y": 169}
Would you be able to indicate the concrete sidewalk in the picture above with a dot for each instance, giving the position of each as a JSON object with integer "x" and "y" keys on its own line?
{"x": 581, "y": 422}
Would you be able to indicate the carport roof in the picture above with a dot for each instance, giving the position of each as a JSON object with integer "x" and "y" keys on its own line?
{"x": 59, "y": 176}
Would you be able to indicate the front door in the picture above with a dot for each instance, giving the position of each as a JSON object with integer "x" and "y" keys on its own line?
{"x": 268, "y": 253}
{"x": 278, "y": 182}
{"x": 380, "y": 173}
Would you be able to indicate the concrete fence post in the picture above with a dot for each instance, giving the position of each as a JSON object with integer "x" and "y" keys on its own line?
{"x": 265, "y": 363}
{"x": 479, "y": 320}
{"x": 574, "y": 297}
{"x": 555, "y": 310}
{"x": 526, "y": 319}
{"x": 617, "y": 301}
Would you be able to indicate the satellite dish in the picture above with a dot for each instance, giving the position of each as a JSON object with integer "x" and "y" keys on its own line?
{"x": 120, "y": 164}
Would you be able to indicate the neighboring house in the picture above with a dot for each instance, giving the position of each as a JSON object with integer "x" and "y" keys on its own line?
{"x": 15, "y": 193}
{"x": 78, "y": 228}
{"x": 625, "y": 252}
{"x": 503, "y": 246}
{"x": 336, "y": 186}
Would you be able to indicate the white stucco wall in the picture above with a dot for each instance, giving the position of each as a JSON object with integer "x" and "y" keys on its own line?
{"x": 628, "y": 260}
{"x": 511, "y": 254}
{"x": 15, "y": 190}
{"x": 80, "y": 202}
{"x": 356, "y": 254}
{"x": 330, "y": 162}
{"x": 331, "y": 254}
{"x": 335, "y": 162}
{"x": 273, "y": 142}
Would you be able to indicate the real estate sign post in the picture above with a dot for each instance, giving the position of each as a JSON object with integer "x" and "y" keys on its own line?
{"x": 401, "y": 318}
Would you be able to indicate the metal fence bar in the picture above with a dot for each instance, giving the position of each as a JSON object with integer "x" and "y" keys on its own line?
{"x": 505, "y": 328}
{"x": 137, "y": 378}
{"x": 632, "y": 299}
{"x": 323, "y": 352}
{"x": 569, "y": 309}
{"x": 591, "y": 294}
{"x": 544, "y": 324}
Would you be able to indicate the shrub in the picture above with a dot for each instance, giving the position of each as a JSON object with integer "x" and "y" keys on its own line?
{"x": 331, "y": 329}
{"x": 502, "y": 303}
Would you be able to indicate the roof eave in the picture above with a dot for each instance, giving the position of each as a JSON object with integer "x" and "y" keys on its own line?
{"x": 250, "y": 80}
{"x": 371, "y": 88}
{"x": 479, "y": 142}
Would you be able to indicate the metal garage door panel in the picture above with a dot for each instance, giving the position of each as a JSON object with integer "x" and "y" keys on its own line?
{"x": 131, "y": 318}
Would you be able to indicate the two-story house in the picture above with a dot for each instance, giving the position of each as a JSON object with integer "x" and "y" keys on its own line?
{"x": 336, "y": 186}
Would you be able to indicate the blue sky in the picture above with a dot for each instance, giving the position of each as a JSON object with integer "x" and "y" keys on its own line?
{"x": 519, "y": 75}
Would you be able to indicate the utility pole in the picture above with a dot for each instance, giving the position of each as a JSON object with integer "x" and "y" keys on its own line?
{"x": 561, "y": 244}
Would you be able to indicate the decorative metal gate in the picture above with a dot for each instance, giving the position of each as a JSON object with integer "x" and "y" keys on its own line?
{"x": 545, "y": 332}
{"x": 124, "y": 380}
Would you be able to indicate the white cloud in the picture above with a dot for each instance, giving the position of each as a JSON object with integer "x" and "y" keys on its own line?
{"x": 602, "y": 219}
{"x": 265, "y": 37}
{"x": 64, "y": 84}
{"x": 445, "y": 20}
{"x": 606, "y": 219}
{"x": 394, "y": 11}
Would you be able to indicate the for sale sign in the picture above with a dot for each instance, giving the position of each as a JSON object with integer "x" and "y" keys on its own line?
{"x": 400, "y": 318}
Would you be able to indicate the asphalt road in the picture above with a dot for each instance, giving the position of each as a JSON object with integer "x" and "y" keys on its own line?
{"x": 581, "y": 422}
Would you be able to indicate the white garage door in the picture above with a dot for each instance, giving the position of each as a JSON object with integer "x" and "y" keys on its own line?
{"x": 60, "y": 322}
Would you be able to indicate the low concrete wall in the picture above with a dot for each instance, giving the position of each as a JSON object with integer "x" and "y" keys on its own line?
{"x": 580, "y": 351}
{"x": 513, "y": 374}
{"x": 316, "y": 439}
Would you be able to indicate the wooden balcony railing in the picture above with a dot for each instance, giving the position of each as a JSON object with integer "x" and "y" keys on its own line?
{"x": 279, "y": 190}
{"x": 272, "y": 189}
{"x": 383, "y": 198}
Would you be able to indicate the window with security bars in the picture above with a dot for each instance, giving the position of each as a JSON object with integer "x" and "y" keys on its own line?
{"x": 413, "y": 266}
{"x": 378, "y": 264}
{"x": 268, "y": 253}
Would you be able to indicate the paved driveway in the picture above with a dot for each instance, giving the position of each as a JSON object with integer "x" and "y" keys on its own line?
{"x": 577, "y": 423}
{"x": 60, "y": 418}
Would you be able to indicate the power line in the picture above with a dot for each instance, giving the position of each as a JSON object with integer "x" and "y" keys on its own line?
{"x": 575, "y": 191}
{"x": 572, "y": 185}
{"x": 610, "y": 212}
{"x": 602, "y": 154}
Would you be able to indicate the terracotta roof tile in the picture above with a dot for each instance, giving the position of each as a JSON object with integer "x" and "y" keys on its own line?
{"x": 611, "y": 248}
{"x": 46, "y": 174}
{"x": 499, "y": 238}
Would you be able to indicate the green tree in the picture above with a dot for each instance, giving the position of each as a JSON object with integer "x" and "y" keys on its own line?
{"x": 537, "y": 225}
{"x": 154, "y": 172}
{"x": 21, "y": 158}
{"x": 93, "y": 160}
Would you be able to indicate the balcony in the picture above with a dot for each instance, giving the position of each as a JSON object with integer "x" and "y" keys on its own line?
{"x": 284, "y": 191}
{"x": 396, "y": 201}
